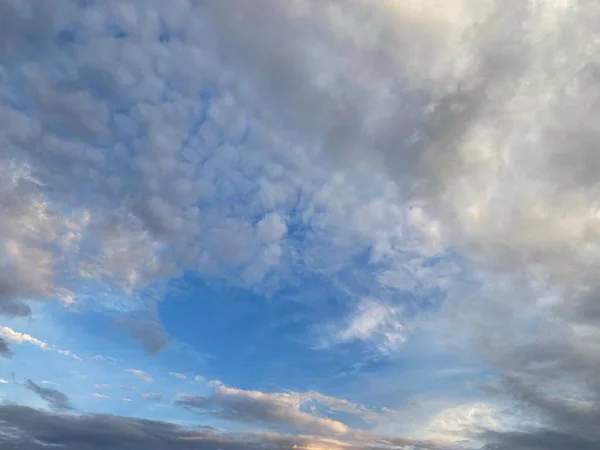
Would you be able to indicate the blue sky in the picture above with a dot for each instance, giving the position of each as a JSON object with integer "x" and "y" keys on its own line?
{"x": 305, "y": 224}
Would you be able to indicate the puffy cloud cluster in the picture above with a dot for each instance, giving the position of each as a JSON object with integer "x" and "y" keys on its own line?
{"x": 134, "y": 155}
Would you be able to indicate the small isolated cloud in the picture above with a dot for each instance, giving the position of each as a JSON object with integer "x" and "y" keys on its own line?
{"x": 178, "y": 375}
{"x": 105, "y": 358}
{"x": 141, "y": 375}
{"x": 126, "y": 400}
{"x": 54, "y": 398}
{"x": 8, "y": 334}
{"x": 374, "y": 323}
{"x": 199, "y": 378}
{"x": 99, "y": 396}
{"x": 5, "y": 350}
{"x": 68, "y": 353}
{"x": 275, "y": 410}
{"x": 147, "y": 331}
{"x": 153, "y": 397}
{"x": 3, "y": 381}
{"x": 100, "y": 386}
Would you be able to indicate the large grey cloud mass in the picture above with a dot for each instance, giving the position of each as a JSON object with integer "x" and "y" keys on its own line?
{"x": 23, "y": 428}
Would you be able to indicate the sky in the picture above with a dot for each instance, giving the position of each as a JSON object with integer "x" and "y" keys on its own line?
{"x": 300, "y": 224}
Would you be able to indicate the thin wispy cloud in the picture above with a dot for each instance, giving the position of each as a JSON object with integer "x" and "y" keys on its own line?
{"x": 140, "y": 374}
{"x": 178, "y": 375}
{"x": 100, "y": 396}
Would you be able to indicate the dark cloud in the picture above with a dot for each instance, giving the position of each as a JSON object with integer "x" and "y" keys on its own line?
{"x": 56, "y": 399}
{"x": 5, "y": 349}
{"x": 24, "y": 428}
{"x": 538, "y": 440}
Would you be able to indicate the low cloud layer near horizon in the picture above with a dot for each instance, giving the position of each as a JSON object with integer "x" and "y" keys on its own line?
{"x": 440, "y": 151}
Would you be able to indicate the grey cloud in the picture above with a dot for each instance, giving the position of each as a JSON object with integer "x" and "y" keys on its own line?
{"x": 148, "y": 331}
{"x": 30, "y": 429}
{"x": 537, "y": 440}
{"x": 56, "y": 399}
{"x": 5, "y": 349}
{"x": 153, "y": 397}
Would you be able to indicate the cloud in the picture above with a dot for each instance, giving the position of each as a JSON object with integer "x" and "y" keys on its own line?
{"x": 104, "y": 358}
{"x": 505, "y": 167}
{"x": 537, "y": 440}
{"x": 276, "y": 410}
{"x": 68, "y": 353}
{"x": 461, "y": 423}
{"x": 397, "y": 131}
{"x": 178, "y": 375}
{"x": 32, "y": 429}
{"x": 55, "y": 398}
{"x": 100, "y": 396}
{"x": 160, "y": 198}
{"x": 146, "y": 330}
{"x": 153, "y": 397}
{"x": 5, "y": 350}
{"x": 373, "y": 322}
{"x": 8, "y": 334}
{"x": 141, "y": 375}
{"x": 3, "y": 381}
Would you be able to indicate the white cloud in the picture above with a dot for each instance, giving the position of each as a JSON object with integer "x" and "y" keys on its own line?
{"x": 460, "y": 423}
{"x": 100, "y": 396}
{"x": 68, "y": 353}
{"x": 373, "y": 322}
{"x": 277, "y": 410}
{"x": 3, "y": 381}
{"x": 21, "y": 338}
{"x": 140, "y": 374}
{"x": 104, "y": 358}
{"x": 180, "y": 376}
